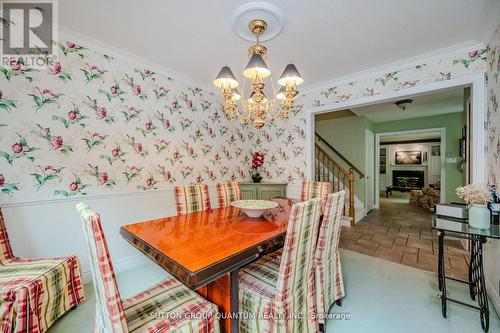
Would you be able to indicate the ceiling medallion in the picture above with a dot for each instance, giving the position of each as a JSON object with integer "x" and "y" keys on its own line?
{"x": 257, "y": 107}
{"x": 271, "y": 14}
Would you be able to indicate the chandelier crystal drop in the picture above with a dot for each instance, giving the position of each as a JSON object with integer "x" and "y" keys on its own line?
{"x": 258, "y": 107}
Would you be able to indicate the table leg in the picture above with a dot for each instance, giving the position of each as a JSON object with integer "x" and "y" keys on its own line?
{"x": 235, "y": 301}
{"x": 480, "y": 286}
{"x": 440, "y": 261}
{"x": 442, "y": 273}
{"x": 223, "y": 292}
{"x": 473, "y": 265}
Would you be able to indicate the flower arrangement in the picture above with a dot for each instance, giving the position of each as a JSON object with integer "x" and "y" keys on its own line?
{"x": 257, "y": 162}
{"x": 474, "y": 194}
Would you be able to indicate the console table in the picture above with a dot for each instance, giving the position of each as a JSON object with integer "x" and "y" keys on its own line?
{"x": 447, "y": 226}
{"x": 263, "y": 191}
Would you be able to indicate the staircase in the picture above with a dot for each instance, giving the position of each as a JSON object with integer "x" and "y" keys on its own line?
{"x": 338, "y": 171}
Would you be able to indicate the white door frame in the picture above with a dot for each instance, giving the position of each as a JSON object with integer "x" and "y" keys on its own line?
{"x": 442, "y": 133}
{"x": 476, "y": 81}
{"x": 373, "y": 166}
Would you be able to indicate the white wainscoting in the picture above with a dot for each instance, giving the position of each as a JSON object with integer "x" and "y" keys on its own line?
{"x": 53, "y": 229}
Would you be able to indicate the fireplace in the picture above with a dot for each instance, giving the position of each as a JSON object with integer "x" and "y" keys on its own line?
{"x": 408, "y": 179}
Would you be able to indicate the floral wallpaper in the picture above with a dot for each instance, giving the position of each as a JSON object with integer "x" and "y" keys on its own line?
{"x": 284, "y": 143}
{"x": 493, "y": 118}
{"x": 91, "y": 124}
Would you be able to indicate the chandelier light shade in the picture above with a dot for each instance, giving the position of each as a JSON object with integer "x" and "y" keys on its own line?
{"x": 281, "y": 94}
{"x": 225, "y": 79}
{"x": 258, "y": 108}
{"x": 256, "y": 67}
{"x": 290, "y": 76}
{"x": 236, "y": 94}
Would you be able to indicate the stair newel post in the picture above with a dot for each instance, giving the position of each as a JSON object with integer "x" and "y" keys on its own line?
{"x": 351, "y": 197}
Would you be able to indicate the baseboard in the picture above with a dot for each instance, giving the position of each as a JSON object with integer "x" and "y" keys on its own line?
{"x": 121, "y": 265}
{"x": 360, "y": 214}
{"x": 493, "y": 296}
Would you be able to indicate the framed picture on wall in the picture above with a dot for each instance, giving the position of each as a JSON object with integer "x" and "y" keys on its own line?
{"x": 408, "y": 157}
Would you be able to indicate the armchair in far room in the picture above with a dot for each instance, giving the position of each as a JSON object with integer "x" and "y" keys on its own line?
{"x": 427, "y": 197}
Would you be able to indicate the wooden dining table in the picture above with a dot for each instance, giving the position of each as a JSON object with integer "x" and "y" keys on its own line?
{"x": 205, "y": 250}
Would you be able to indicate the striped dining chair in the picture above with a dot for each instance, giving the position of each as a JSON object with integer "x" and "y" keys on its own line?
{"x": 34, "y": 293}
{"x": 276, "y": 287}
{"x": 228, "y": 192}
{"x": 328, "y": 272}
{"x": 168, "y": 306}
{"x": 192, "y": 198}
{"x": 311, "y": 190}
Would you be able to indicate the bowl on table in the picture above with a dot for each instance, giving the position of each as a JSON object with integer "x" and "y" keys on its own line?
{"x": 254, "y": 208}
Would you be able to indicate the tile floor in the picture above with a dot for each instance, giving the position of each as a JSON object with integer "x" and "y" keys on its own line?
{"x": 402, "y": 233}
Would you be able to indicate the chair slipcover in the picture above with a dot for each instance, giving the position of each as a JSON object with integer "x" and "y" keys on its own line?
{"x": 166, "y": 307}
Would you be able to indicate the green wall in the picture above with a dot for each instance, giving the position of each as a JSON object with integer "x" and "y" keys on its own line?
{"x": 347, "y": 135}
{"x": 453, "y": 122}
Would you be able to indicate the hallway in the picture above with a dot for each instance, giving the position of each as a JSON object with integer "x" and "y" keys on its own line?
{"x": 402, "y": 233}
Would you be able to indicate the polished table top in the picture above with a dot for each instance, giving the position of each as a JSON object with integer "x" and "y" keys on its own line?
{"x": 462, "y": 226}
{"x": 199, "y": 247}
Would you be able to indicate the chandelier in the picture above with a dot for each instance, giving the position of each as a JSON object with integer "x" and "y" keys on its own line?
{"x": 258, "y": 107}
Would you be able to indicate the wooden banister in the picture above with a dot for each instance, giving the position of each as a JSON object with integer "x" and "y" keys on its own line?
{"x": 352, "y": 166}
{"x": 328, "y": 170}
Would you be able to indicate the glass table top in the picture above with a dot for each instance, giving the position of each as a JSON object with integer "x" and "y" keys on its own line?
{"x": 462, "y": 226}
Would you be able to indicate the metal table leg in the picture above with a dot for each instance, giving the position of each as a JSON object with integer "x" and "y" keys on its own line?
{"x": 477, "y": 286}
{"x": 442, "y": 273}
{"x": 440, "y": 261}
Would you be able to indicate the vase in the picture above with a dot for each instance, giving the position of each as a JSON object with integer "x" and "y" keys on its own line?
{"x": 256, "y": 177}
{"x": 479, "y": 217}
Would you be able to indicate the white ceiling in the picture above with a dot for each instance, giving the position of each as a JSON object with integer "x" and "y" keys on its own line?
{"x": 423, "y": 106}
{"x": 324, "y": 38}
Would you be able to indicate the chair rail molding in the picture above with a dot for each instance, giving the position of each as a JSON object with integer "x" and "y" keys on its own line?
{"x": 476, "y": 81}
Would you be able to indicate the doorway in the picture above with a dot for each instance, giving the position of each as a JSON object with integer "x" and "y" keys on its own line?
{"x": 416, "y": 151}
{"x": 394, "y": 182}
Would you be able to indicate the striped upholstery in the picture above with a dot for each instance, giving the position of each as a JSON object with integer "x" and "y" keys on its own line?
{"x": 228, "y": 192}
{"x": 275, "y": 288}
{"x": 34, "y": 293}
{"x": 329, "y": 282}
{"x": 192, "y": 198}
{"x": 6, "y": 254}
{"x": 312, "y": 190}
{"x": 150, "y": 311}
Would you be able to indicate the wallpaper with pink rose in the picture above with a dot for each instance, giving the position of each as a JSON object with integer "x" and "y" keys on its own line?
{"x": 92, "y": 124}
{"x": 493, "y": 119}
{"x": 284, "y": 143}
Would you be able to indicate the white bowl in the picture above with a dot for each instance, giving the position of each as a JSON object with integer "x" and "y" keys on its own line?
{"x": 254, "y": 208}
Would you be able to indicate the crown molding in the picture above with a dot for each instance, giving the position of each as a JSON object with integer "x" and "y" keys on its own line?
{"x": 105, "y": 48}
{"x": 447, "y": 52}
